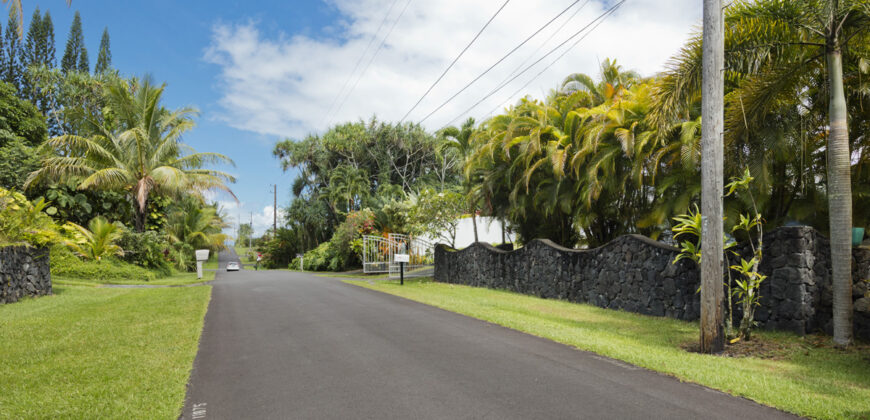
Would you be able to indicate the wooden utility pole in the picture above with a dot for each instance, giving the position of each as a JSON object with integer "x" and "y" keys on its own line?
{"x": 275, "y": 210}
{"x": 712, "y": 179}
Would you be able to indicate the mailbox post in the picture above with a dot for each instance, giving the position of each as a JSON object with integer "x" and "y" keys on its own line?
{"x": 402, "y": 259}
{"x": 201, "y": 256}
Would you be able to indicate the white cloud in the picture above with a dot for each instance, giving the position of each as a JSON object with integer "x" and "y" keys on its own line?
{"x": 285, "y": 84}
{"x": 263, "y": 220}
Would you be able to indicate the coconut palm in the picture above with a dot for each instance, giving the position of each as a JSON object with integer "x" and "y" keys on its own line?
{"x": 97, "y": 240}
{"x": 774, "y": 49}
{"x": 142, "y": 154}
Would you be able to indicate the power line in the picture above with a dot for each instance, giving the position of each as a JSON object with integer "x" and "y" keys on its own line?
{"x": 499, "y": 61}
{"x": 455, "y": 60}
{"x": 559, "y": 29}
{"x": 544, "y": 69}
{"x": 358, "y": 61}
{"x": 599, "y": 18}
{"x": 384, "y": 41}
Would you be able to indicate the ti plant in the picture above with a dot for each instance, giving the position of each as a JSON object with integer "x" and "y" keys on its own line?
{"x": 690, "y": 224}
{"x": 750, "y": 281}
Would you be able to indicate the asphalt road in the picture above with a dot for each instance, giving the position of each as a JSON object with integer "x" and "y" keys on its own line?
{"x": 282, "y": 345}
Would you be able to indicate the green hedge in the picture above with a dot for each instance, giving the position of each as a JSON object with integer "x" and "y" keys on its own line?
{"x": 65, "y": 264}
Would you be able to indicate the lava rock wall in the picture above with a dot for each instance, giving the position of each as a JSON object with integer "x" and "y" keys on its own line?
{"x": 24, "y": 271}
{"x": 637, "y": 274}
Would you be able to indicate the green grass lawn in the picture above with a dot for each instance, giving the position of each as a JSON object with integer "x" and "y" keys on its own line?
{"x": 89, "y": 352}
{"x": 176, "y": 279}
{"x": 212, "y": 263}
{"x": 802, "y": 375}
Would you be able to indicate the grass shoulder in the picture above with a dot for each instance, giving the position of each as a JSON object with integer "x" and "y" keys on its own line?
{"x": 176, "y": 279}
{"x": 803, "y": 375}
{"x": 89, "y": 352}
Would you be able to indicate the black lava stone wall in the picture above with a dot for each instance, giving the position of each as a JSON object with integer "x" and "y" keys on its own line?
{"x": 637, "y": 274}
{"x": 24, "y": 272}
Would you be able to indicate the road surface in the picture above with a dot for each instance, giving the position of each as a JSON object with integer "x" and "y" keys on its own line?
{"x": 282, "y": 345}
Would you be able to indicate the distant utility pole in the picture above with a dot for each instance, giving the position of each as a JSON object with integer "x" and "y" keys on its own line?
{"x": 252, "y": 230}
{"x": 275, "y": 210}
{"x": 712, "y": 178}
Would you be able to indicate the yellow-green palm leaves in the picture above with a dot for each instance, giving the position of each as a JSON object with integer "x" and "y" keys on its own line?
{"x": 97, "y": 241}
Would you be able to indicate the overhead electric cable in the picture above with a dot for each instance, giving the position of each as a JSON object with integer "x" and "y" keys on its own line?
{"x": 544, "y": 69}
{"x": 599, "y": 18}
{"x": 384, "y": 41}
{"x": 500, "y": 60}
{"x": 358, "y": 61}
{"x": 541, "y": 45}
{"x": 455, "y": 60}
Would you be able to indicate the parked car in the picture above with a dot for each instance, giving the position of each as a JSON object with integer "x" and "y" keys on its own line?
{"x": 233, "y": 266}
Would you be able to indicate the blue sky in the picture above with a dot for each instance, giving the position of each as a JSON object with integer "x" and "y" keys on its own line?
{"x": 260, "y": 71}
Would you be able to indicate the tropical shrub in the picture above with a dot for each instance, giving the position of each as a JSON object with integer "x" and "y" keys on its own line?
{"x": 317, "y": 259}
{"x": 66, "y": 265}
{"x": 146, "y": 249}
{"x": 437, "y": 214}
{"x": 97, "y": 241}
{"x": 750, "y": 280}
{"x": 279, "y": 249}
{"x": 25, "y": 222}
{"x": 17, "y": 161}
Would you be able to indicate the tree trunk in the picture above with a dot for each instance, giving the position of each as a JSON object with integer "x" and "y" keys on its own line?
{"x": 712, "y": 174}
{"x": 839, "y": 199}
{"x": 141, "y": 216}
{"x": 474, "y": 223}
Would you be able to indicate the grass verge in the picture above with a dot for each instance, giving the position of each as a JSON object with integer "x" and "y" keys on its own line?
{"x": 212, "y": 262}
{"x": 176, "y": 279}
{"x": 97, "y": 353}
{"x": 802, "y": 375}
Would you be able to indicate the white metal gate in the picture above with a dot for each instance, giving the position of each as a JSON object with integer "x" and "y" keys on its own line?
{"x": 421, "y": 255}
{"x": 378, "y": 255}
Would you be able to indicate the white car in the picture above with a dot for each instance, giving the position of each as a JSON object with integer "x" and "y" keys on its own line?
{"x": 233, "y": 266}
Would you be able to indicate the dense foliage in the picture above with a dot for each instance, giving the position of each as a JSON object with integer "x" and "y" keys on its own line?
{"x": 96, "y": 162}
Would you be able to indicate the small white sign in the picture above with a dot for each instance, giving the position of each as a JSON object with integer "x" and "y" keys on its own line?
{"x": 201, "y": 254}
{"x": 402, "y": 258}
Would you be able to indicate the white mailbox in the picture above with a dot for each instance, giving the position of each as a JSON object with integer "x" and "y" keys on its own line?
{"x": 201, "y": 255}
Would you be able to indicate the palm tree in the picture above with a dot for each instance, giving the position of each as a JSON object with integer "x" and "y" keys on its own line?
{"x": 196, "y": 225}
{"x": 458, "y": 141}
{"x": 773, "y": 48}
{"x": 97, "y": 241}
{"x": 143, "y": 154}
{"x": 349, "y": 184}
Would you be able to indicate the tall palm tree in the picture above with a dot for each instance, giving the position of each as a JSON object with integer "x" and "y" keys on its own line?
{"x": 773, "y": 47}
{"x": 142, "y": 154}
{"x": 458, "y": 141}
